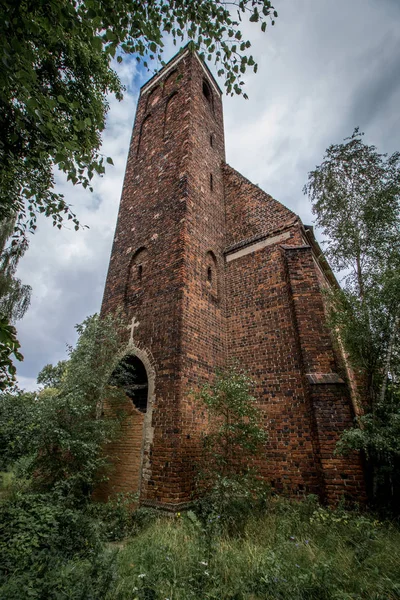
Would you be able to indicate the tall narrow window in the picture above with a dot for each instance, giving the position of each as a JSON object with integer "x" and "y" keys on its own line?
{"x": 207, "y": 93}
{"x": 211, "y": 182}
{"x": 144, "y": 136}
{"x": 211, "y": 140}
{"x": 153, "y": 97}
{"x": 171, "y": 114}
{"x": 136, "y": 276}
{"x": 170, "y": 83}
{"x": 212, "y": 274}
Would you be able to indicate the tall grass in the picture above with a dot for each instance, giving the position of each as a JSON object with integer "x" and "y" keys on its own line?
{"x": 294, "y": 551}
{"x": 285, "y": 551}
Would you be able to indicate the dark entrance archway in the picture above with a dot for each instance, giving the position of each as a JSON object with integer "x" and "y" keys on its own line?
{"x": 131, "y": 376}
{"x": 129, "y": 452}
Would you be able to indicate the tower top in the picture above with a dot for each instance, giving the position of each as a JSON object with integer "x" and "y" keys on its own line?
{"x": 171, "y": 64}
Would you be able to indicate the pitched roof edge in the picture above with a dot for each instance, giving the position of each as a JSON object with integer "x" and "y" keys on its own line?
{"x": 172, "y": 62}
{"x": 248, "y": 182}
{"x": 262, "y": 236}
{"x": 319, "y": 255}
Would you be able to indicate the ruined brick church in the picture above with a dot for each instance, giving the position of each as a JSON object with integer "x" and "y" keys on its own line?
{"x": 208, "y": 268}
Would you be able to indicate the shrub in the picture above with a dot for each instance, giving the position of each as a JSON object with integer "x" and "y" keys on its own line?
{"x": 228, "y": 485}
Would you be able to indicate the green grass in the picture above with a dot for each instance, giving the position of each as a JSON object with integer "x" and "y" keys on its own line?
{"x": 287, "y": 551}
{"x": 294, "y": 551}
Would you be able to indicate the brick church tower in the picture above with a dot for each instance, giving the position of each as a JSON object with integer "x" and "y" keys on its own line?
{"x": 208, "y": 268}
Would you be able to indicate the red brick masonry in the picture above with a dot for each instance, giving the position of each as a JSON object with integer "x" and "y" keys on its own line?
{"x": 213, "y": 269}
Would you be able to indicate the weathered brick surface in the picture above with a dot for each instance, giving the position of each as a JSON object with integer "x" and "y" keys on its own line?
{"x": 251, "y": 211}
{"x": 213, "y": 269}
{"x": 123, "y": 473}
{"x": 330, "y": 398}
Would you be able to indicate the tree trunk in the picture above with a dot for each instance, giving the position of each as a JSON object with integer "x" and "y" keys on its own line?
{"x": 388, "y": 359}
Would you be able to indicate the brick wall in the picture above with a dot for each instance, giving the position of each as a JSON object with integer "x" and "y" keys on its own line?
{"x": 124, "y": 471}
{"x": 329, "y": 394}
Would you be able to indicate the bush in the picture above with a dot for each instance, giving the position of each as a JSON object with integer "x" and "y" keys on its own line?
{"x": 227, "y": 484}
{"x": 120, "y": 517}
{"x": 46, "y": 545}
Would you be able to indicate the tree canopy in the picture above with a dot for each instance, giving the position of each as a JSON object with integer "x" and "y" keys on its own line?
{"x": 14, "y": 295}
{"x": 14, "y": 301}
{"x": 57, "y": 72}
{"x": 355, "y": 193}
{"x": 56, "y": 75}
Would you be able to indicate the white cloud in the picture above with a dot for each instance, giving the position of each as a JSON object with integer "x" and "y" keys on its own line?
{"x": 28, "y": 384}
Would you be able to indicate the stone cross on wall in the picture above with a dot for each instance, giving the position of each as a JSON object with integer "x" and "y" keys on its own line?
{"x": 131, "y": 328}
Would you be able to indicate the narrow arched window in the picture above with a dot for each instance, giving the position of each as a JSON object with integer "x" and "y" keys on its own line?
{"x": 153, "y": 97}
{"x": 171, "y": 114}
{"x": 144, "y": 136}
{"x": 170, "y": 83}
{"x": 207, "y": 93}
{"x": 137, "y": 273}
{"x": 212, "y": 274}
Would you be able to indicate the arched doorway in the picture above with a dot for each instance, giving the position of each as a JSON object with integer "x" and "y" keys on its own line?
{"x": 129, "y": 453}
{"x": 131, "y": 376}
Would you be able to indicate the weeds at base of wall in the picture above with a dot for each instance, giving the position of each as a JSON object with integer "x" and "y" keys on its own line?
{"x": 290, "y": 551}
{"x": 283, "y": 550}
{"x": 50, "y": 549}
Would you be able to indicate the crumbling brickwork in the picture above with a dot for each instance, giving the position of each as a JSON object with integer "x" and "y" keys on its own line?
{"x": 208, "y": 268}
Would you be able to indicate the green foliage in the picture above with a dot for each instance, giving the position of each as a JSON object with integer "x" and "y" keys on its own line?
{"x": 379, "y": 439}
{"x": 14, "y": 301}
{"x": 294, "y": 551}
{"x": 71, "y": 431}
{"x": 18, "y": 426}
{"x": 227, "y": 481}
{"x": 9, "y": 348}
{"x": 56, "y": 75}
{"x": 48, "y": 549}
{"x": 51, "y": 376}
{"x": 355, "y": 195}
{"x": 62, "y": 429}
{"x": 120, "y": 517}
{"x": 356, "y": 199}
{"x": 234, "y": 435}
{"x": 52, "y": 443}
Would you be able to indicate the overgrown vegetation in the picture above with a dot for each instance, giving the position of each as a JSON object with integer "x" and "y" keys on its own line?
{"x": 236, "y": 543}
{"x": 51, "y": 447}
{"x": 293, "y": 551}
{"x": 228, "y": 486}
{"x": 59, "y": 433}
{"x": 290, "y": 551}
{"x": 356, "y": 199}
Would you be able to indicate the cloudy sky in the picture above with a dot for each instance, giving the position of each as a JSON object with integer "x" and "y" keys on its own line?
{"x": 326, "y": 67}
